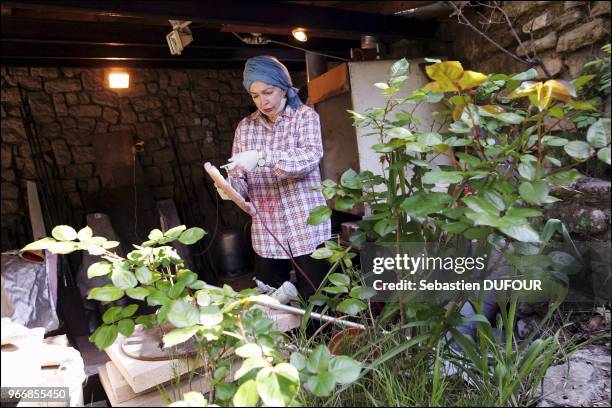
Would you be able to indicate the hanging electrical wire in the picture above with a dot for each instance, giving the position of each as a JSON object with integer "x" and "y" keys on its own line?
{"x": 260, "y": 40}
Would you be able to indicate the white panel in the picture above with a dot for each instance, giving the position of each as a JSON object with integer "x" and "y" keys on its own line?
{"x": 365, "y": 95}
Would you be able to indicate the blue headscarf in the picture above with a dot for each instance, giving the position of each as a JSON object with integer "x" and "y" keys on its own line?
{"x": 268, "y": 69}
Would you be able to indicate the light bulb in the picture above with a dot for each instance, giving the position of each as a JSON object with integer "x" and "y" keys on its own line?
{"x": 119, "y": 80}
{"x": 299, "y": 34}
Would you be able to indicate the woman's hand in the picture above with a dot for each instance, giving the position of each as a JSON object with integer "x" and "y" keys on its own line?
{"x": 245, "y": 161}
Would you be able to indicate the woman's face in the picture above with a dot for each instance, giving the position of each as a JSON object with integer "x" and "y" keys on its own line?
{"x": 267, "y": 98}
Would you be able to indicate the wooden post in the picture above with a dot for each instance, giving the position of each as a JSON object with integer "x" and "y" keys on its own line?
{"x": 315, "y": 65}
{"x": 36, "y": 216}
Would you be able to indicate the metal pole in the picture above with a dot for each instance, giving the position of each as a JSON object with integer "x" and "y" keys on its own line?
{"x": 302, "y": 312}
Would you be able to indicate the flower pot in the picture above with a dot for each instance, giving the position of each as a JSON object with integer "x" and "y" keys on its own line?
{"x": 347, "y": 342}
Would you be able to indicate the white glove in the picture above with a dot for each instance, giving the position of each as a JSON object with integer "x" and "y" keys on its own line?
{"x": 245, "y": 161}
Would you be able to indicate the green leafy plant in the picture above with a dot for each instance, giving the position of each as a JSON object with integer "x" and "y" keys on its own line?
{"x": 242, "y": 354}
{"x": 503, "y": 159}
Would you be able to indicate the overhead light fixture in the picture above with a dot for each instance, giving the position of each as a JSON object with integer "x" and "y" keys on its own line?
{"x": 180, "y": 36}
{"x": 299, "y": 34}
{"x": 118, "y": 79}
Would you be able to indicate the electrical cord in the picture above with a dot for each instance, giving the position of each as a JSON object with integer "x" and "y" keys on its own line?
{"x": 295, "y": 264}
{"x": 264, "y": 40}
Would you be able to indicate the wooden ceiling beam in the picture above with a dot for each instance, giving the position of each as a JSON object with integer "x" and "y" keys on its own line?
{"x": 270, "y": 14}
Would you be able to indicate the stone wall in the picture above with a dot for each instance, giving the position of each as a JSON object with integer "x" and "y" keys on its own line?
{"x": 565, "y": 35}
{"x": 72, "y": 107}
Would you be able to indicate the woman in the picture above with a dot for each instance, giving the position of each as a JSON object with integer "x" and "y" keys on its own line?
{"x": 274, "y": 164}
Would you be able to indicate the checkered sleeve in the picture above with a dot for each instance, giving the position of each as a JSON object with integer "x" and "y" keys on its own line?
{"x": 305, "y": 157}
{"x": 237, "y": 178}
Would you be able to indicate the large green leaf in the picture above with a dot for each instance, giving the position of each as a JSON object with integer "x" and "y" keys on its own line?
{"x": 157, "y": 298}
{"x": 489, "y": 219}
{"x": 565, "y": 177}
{"x": 85, "y": 234}
{"x": 385, "y": 226}
{"x": 225, "y": 391}
{"x": 604, "y": 155}
{"x": 598, "y": 134}
{"x": 510, "y": 118}
{"x": 176, "y": 290}
{"x": 318, "y": 359}
{"x": 579, "y": 150}
{"x": 351, "y": 306}
{"x": 455, "y": 227}
{"x": 112, "y": 315}
{"x": 183, "y": 314}
{"x": 155, "y": 235}
{"x": 321, "y": 384}
{"x": 422, "y": 204}
{"x": 350, "y": 179}
{"x": 105, "y": 294}
{"x": 399, "y": 133}
{"x": 339, "y": 279}
{"x": 473, "y": 161}
{"x": 191, "y": 236}
{"x": 480, "y": 205}
{"x": 344, "y": 203}
{"x": 334, "y": 290}
{"x": 249, "y": 350}
{"x": 523, "y": 233}
{"x": 429, "y": 138}
{"x": 105, "y": 336}
{"x": 144, "y": 275}
{"x": 210, "y": 316}
{"x": 247, "y": 395}
{"x": 175, "y": 232}
{"x": 399, "y": 67}
{"x": 362, "y": 292}
{"x": 44, "y": 243}
{"x": 249, "y": 364}
{"x": 298, "y": 360}
{"x": 126, "y": 327}
{"x": 178, "y": 336}
{"x": 65, "y": 247}
{"x": 527, "y": 170}
{"x": 437, "y": 176}
{"x": 534, "y": 192}
{"x": 64, "y": 233}
{"x": 319, "y": 215}
{"x": 528, "y": 75}
{"x": 99, "y": 269}
{"x": 123, "y": 278}
{"x": 138, "y": 293}
{"x": 554, "y": 141}
{"x": 344, "y": 369}
{"x": 277, "y": 386}
{"x": 523, "y": 212}
{"x": 322, "y": 253}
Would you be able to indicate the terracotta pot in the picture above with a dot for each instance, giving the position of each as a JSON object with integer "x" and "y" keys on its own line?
{"x": 347, "y": 342}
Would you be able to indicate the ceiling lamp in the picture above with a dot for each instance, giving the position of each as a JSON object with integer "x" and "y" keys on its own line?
{"x": 299, "y": 34}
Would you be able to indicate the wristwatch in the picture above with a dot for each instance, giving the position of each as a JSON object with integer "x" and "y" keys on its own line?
{"x": 261, "y": 158}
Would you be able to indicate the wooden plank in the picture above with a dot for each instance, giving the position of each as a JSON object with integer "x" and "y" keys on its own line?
{"x": 120, "y": 393}
{"x": 108, "y": 388}
{"x": 142, "y": 375}
{"x": 228, "y": 189}
{"x": 116, "y": 384}
{"x": 36, "y": 216}
{"x": 333, "y": 82}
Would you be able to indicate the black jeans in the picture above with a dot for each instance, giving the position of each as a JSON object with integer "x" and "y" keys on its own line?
{"x": 276, "y": 271}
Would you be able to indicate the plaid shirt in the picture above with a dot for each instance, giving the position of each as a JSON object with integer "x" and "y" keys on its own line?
{"x": 280, "y": 190}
